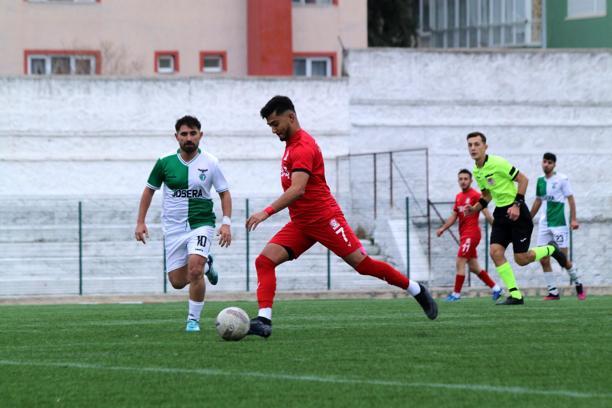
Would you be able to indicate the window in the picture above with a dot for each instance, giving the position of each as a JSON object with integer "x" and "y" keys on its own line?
{"x": 586, "y": 8}
{"x": 166, "y": 62}
{"x": 213, "y": 61}
{"x": 308, "y": 2}
{"x": 62, "y": 62}
{"x": 480, "y": 23}
{"x": 63, "y": 1}
{"x": 314, "y": 65}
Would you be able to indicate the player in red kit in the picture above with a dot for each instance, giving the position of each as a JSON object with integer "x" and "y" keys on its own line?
{"x": 469, "y": 237}
{"x": 315, "y": 217}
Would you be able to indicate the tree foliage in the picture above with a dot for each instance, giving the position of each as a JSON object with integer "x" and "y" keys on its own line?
{"x": 392, "y": 23}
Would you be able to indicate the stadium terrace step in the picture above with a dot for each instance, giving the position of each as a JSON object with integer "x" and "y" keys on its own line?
{"x": 34, "y": 250}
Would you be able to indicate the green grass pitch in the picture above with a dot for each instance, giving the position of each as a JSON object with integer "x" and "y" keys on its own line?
{"x": 322, "y": 353}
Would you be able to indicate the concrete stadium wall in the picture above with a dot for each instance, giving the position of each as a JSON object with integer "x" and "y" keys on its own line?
{"x": 102, "y": 136}
{"x": 527, "y": 102}
{"x": 89, "y": 137}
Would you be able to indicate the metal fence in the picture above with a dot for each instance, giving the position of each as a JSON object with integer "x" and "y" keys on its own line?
{"x": 71, "y": 246}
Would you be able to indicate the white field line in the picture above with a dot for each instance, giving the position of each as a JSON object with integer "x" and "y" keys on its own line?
{"x": 312, "y": 378}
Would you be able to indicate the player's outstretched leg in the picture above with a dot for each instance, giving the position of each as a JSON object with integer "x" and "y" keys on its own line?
{"x": 384, "y": 271}
{"x": 427, "y": 302}
{"x": 507, "y": 275}
{"x": 574, "y": 280}
{"x": 266, "y": 289}
{"x": 558, "y": 254}
{"x": 455, "y": 295}
{"x": 572, "y": 271}
{"x": 496, "y": 290}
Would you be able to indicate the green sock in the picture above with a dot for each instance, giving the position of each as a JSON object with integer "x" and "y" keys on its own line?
{"x": 505, "y": 272}
{"x": 542, "y": 251}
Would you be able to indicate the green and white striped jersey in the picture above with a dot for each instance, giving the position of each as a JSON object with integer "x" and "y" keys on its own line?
{"x": 187, "y": 203}
{"x": 553, "y": 191}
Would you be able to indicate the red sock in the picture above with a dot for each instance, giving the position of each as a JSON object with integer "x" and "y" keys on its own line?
{"x": 484, "y": 276}
{"x": 459, "y": 283}
{"x": 382, "y": 270}
{"x": 266, "y": 281}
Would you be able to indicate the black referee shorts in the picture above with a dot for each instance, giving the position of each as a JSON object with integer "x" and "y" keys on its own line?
{"x": 505, "y": 231}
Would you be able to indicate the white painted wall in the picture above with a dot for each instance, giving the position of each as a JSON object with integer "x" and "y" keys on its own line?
{"x": 102, "y": 136}
{"x": 90, "y": 137}
{"x": 527, "y": 102}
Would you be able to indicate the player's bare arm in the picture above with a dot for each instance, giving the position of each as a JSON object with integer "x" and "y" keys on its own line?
{"x": 485, "y": 196}
{"x": 487, "y": 215}
{"x": 447, "y": 224}
{"x": 299, "y": 179}
{"x": 515, "y": 210}
{"x": 141, "y": 233}
{"x": 535, "y": 207}
{"x": 573, "y": 220}
{"x": 225, "y": 231}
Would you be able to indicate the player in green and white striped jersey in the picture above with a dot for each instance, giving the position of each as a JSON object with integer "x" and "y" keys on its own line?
{"x": 552, "y": 190}
{"x": 187, "y": 214}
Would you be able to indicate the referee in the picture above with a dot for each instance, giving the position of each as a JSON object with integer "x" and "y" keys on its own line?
{"x": 498, "y": 179}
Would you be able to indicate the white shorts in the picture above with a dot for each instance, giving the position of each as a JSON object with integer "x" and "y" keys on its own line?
{"x": 559, "y": 234}
{"x": 179, "y": 245}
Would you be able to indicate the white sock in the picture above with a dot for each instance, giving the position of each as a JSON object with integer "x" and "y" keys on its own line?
{"x": 195, "y": 309}
{"x": 413, "y": 288}
{"x": 206, "y": 268}
{"x": 265, "y": 312}
{"x": 455, "y": 294}
{"x": 573, "y": 274}
{"x": 550, "y": 283}
{"x": 495, "y": 288}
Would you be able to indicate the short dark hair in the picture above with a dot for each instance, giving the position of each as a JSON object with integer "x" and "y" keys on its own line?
{"x": 550, "y": 156}
{"x": 277, "y": 105}
{"x": 477, "y": 134}
{"x": 190, "y": 121}
{"x": 465, "y": 171}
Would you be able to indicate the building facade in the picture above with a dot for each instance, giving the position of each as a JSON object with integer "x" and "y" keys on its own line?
{"x": 480, "y": 23}
{"x": 578, "y": 24}
{"x": 515, "y": 23}
{"x": 180, "y": 38}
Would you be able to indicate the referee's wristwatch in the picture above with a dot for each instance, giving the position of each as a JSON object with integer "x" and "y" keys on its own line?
{"x": 519, "y": 200}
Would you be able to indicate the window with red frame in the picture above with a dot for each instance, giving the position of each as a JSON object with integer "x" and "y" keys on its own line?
{"x": 166, "y": 62}
{"x": 213, "y": 61}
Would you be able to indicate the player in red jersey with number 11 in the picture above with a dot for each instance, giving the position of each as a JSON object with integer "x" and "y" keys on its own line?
{"x": 469, "y": 237}
{"x": 315, "y": 217}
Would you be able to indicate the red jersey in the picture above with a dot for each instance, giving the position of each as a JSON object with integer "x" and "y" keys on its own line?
{"x": 317, "y": 204}
{"x": 468, "y": 225}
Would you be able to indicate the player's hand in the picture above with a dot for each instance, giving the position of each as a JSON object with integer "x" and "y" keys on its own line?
{"x": 225, "y": 235}
{"x": 469, "y": 210}
{"x": 255, "y": 219}
{"x": 440, "y": 231}
{"x": 514, "y": 212}
{"x": 141, "y": 232}
{"x": 574, "y": 224}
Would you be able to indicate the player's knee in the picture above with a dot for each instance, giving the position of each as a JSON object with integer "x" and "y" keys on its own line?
{"x": 522, "y": 259}
{"x": 176, "y": 283}
{"x": 195, "y": 272}
{"x": 496, "y": 253}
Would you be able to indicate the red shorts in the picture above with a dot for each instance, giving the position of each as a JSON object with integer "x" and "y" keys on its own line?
{"x": 335, "y": 234}
{"x": 468, "y": 245}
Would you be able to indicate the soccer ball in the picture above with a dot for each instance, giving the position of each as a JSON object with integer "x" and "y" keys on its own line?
{"x": 232, "y": 323}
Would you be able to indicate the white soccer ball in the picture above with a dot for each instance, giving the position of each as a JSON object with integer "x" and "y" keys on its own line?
{"x": 232, "y": 323}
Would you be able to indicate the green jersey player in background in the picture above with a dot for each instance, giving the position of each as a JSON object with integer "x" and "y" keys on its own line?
{"x": 552, "y": 190}
{"x": 188, "y": 219}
